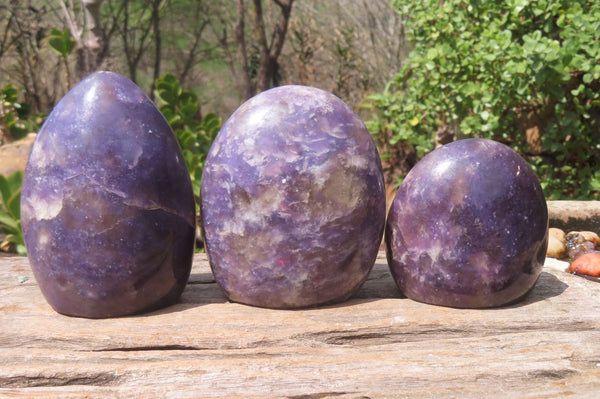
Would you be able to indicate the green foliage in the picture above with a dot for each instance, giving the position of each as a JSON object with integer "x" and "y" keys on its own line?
{"x": 16, "y": 116}
{"x": 500, "y": 70}
{"x": 61, "y": 42}
{"x": 181, "y": 108}
{"x": 10, "y": 210}
{"x": 17, "y": 119}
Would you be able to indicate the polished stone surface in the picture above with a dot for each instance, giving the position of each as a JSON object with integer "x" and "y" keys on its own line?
{"x": 468, "y": 227}
{"x": 293, "y": 204}
{"x": 107, "y": 206}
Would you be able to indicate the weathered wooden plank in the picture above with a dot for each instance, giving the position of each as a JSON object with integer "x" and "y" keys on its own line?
{"x": 378, "y": 344}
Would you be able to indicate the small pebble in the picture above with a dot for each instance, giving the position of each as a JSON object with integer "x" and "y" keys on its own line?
{"x": 558, "y": 234}
{"x": 586, "y": 265}
{"x": 556, "y": 248}
{"x": 587, "y": 236}
{"x": 578, "y": 244}
{"x": 591, "y": 236}
{"x": 23, "y": 279}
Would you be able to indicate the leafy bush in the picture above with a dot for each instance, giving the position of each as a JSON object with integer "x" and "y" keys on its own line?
{"x": 526, "y": 73}
{"x": 181, "y": 108}
{"x": 16, "y": 117}
{"x": 10, "y": 210}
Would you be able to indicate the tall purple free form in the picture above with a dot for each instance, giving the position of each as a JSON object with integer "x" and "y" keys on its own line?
{"x": 107, "y": 206}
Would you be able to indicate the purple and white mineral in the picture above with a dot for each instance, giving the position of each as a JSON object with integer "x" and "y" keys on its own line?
{"x": 468, "y": 227}
{"x": 107, "y": 206}
{"x": 293, "y": 203}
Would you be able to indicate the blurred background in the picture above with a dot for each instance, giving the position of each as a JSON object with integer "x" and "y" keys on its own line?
{"x": 349, "y": 47}
{"x": 420, "y": 74}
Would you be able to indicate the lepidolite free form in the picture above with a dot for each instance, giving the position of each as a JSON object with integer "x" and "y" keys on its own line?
{"x": 107, "y": 207}
{"x": 468, "y": 227}
{"x": 293, "y": 200}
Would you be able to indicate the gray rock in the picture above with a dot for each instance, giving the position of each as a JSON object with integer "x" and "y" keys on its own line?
{"x": 574, "y": 215}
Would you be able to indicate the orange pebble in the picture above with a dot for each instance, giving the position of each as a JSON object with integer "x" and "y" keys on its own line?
{"x": 586, "y": 264}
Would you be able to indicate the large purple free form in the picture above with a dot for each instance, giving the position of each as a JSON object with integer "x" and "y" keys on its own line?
{"x": 107, "y": 206}
{"x": 293, "y": 200}
{"x": 468, "y": 227}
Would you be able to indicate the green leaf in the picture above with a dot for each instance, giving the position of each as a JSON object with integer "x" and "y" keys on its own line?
{"x": 188, "y": 111}
{"x": 61, "y": 42}
{"x": 9, "y": 93}
{"x": 8, "y": 222}
{"x": 432, "y": 53}
{"x": 166, "y": 95}
{"x": 13, "y": 205}
{"x": 557, "y": 92}
{"x": 5, "y": 189}
{"x": 414, "y": 121}
{"x": 15, "y": 181}
{"x": 10, "y": 190}
{"x": 188, "y": 97}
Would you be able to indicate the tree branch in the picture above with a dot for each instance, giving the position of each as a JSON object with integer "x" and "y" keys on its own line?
{"x": 76, "y": 32}
{"x": 270, "y": 52}
{"x": 6, "y": 43}
{"x": 259, "y": 26}
{"x": 241, "y": 48}
{"x": 92, "y": 19}
{"x": 223, "y": 39}
{"x": 157, "y": 43}
{"x": 280, "y": 31}
{"x": 200, "y": 15}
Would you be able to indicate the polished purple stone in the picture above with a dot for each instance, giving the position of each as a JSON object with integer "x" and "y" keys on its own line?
{"x": 107, "y": 205}
{"x": 293, "y": 204}
{"x": 468, "y": 227}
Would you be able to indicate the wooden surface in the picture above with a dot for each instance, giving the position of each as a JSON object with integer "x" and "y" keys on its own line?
{"x": 375, "y": 345}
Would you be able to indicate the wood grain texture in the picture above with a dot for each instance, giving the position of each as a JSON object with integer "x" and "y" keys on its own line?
{"x": 376, "y": 345}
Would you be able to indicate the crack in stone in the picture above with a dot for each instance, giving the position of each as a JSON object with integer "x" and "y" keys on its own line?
{"x": 155, "y": 207}
{"x": 114, "y": 226}
{"x": 98, "y": 184}
{"x": 132, "y": 202}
